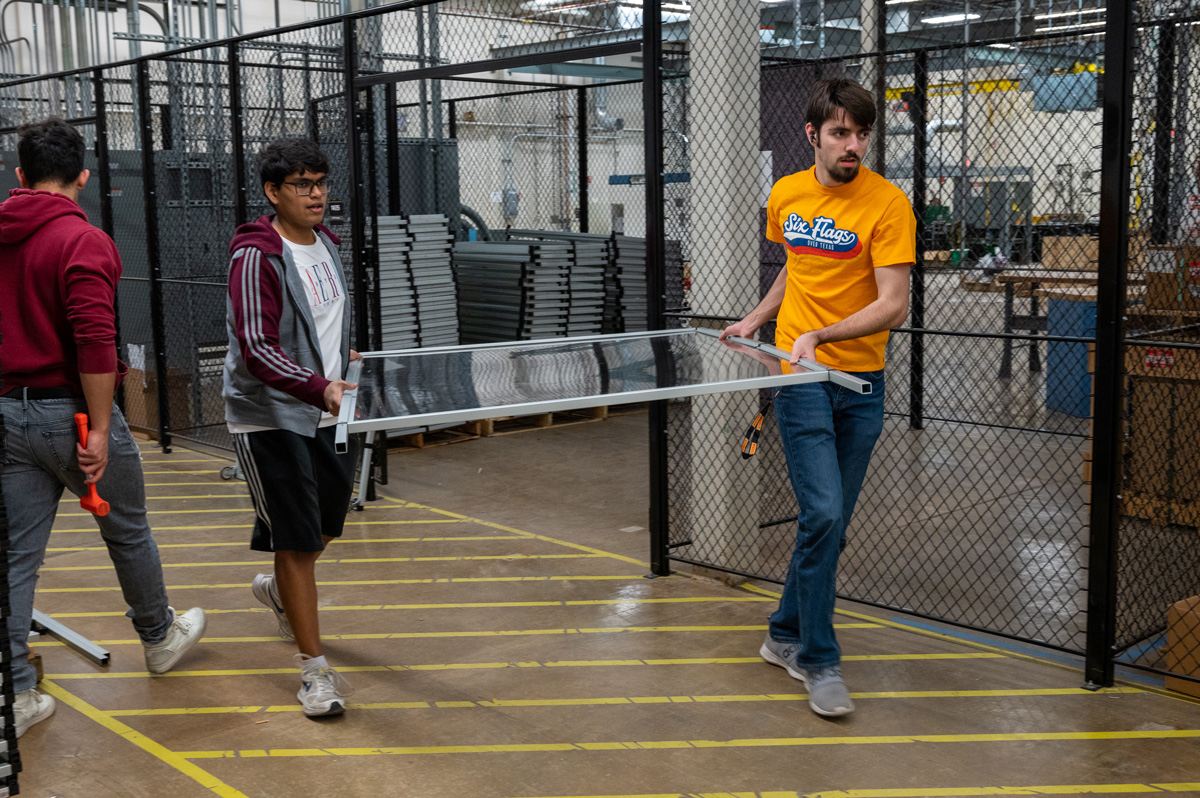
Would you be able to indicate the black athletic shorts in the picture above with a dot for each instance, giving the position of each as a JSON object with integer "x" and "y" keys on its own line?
{"x": 301, "y": 487}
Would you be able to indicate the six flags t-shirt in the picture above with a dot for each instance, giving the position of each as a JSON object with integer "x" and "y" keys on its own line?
{"x": 836, "y": 237}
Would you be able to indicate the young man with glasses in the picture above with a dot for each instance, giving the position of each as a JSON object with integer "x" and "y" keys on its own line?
{"x": 289, "y": 346}
{"x": 851, "y": 240}
{"x": 58, "y": 349}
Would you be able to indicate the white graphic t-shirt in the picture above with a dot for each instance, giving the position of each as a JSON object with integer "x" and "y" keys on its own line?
{"x": 327, "y": 301}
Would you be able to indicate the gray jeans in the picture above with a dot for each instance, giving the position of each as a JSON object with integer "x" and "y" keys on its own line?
{"x": 39, "y": 463}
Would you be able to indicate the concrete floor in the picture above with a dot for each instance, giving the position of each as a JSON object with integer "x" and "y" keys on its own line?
{"x": 493, "y": 616}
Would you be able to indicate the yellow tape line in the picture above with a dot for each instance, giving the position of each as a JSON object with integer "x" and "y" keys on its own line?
{"x": 343, "y": 561}
{"x": 619, "y": 701}
{"x": 341, "y": 542}
{"x": 468, "y": 666}
{"x": 556, "y": 541}
{"x": 370, "y": 582}
{"x": 194, "y": 512}
{"x": 473, "y": 605}
{"x": 1056, "y": 789}
{"x": 606, "y": 630}
{"x": 928, "y": 792}
{"x": 210, "y": 483}
{"x": 652, "y": 745}
{"x": 203, "y": 527}
{"x": 175, "y": 760}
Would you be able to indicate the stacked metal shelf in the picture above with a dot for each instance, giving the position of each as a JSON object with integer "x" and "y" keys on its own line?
{"x": 417, "y": 298}
{"x": 512, "y": 291}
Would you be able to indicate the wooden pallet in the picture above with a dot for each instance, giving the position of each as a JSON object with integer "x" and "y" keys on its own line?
{"x": 504, "y": 425}
{"x": 1159, "y": 511}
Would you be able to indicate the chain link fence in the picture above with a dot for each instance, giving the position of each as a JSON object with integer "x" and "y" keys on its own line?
{"x": 978, "y": 509}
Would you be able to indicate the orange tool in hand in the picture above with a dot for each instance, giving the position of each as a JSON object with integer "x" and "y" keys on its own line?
{"x": 91, "y": 502}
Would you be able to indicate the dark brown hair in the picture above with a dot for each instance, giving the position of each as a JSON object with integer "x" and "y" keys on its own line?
{"x": 831, "y": 95}
{"x": 50, "y": 151}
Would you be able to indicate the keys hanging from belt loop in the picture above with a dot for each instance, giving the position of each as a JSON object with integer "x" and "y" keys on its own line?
{"x": 750, "y": 439}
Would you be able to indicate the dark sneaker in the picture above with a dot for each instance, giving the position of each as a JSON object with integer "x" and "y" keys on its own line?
{"x": 827, "y": 693}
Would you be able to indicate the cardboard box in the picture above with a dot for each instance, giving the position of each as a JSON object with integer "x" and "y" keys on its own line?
{"x": 1164, "y": 362}
{"x": 1070, "y": 253}
{"x": 1162, "y": 278}
{"x": 141, "y": 399}
{"x": 1148, "y": 461}
{"x": 1183, "y": 645}
{"x": 1189, "y": 277}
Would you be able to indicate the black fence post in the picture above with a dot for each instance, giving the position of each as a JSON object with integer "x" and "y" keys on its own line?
{"x": 103, "y": 167}
{"x": 652, "y": 101}
{"x": 392, "y": 147}
{"x": 584, "y": 187}
{"x": 237, "y": 116}
{"x": 1164, "y": 132}
{"x": 880, "y": 87}
{"x": 153, "y": 259}
{"x": 1110, "y": 306}
{"x": 353, "y": 179}
{"x": 918, "y": 113}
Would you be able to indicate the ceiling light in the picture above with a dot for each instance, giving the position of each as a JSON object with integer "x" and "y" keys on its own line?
{"x": 949, "y": 18}
{"x": 1002, "y": 46}
{"x": 1058, "y": 14}
{"x": 1061, "y": 28}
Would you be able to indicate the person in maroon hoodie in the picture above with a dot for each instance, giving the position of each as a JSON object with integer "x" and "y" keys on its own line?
{"x": 289, "y": 347}
{"x": 58, "y": 357}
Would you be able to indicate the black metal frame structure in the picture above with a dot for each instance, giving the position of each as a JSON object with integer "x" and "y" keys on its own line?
{"x": 356, "y": 100}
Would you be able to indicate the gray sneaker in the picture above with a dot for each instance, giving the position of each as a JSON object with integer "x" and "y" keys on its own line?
{"x": 783, "y": 655}
{"x": 827, "y": 694}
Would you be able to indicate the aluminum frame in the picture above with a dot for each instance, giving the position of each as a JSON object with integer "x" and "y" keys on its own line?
{"x": 348, "y": 424}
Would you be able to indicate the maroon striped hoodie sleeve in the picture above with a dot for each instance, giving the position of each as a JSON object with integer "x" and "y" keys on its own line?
{"x": 257, "y": 303}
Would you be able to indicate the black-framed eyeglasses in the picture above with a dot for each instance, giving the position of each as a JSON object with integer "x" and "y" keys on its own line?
{"x": 304, "y": 187}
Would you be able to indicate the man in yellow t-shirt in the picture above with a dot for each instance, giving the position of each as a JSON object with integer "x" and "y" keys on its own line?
{"x": 851, "y": 239}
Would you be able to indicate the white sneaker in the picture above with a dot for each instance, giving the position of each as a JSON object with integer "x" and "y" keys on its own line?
{"x": 186, "y": 630}
{"x": 265, "y": 591}
{"x": 323, "y": 691}
{"x": 30, "y": 707}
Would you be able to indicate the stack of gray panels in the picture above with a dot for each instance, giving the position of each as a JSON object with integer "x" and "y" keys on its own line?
{"x": 628, "y": 271}
{"x": 589, "y": 260}
{"x": 433, "y": 279}
{"x": 673, "y": 265}
{"x": 397, "y": 297}
{"x": 513, "y": 291}
{"x": 590, "y": 255}
{"x": 417, "y": 300}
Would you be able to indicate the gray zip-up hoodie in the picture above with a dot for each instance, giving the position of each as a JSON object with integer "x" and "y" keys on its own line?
{"x": 273, "y": 371}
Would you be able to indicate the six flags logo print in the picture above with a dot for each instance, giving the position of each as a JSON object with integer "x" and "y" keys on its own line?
{"x": 822, "y": 237}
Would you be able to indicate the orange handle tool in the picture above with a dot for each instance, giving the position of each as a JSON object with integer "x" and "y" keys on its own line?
{"x": 91, "y": 502}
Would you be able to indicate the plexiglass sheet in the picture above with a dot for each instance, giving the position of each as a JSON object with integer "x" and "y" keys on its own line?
{"x": 454, "y": 384}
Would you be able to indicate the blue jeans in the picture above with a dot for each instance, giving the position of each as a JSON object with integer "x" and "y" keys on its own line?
{"x": 40, "y": 462}
{"x": 828, "y": 433}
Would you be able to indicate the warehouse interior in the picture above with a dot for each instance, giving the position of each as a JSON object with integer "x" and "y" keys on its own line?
{"x": 1024, "y": 563}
